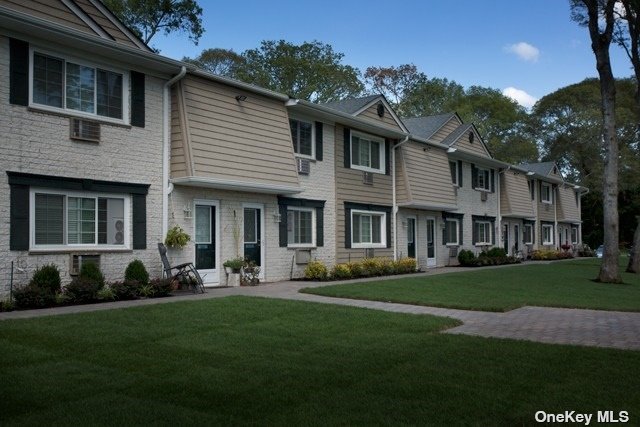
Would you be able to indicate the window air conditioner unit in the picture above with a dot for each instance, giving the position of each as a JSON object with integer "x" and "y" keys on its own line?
{"x": 85, "y": 130}
{"x": 453, "y": 252}
{"x": 483, "y": 196}
{"x": 303, "y": 256}
{"x": 367, "y": 178}
{"x": 76, "y": 261}
{"x": 304, "y": 166}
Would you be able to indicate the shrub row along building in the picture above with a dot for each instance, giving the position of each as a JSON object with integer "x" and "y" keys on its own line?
{"x": 105, "y": 145}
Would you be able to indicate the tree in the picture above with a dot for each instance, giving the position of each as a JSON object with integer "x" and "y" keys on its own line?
{"x": 223, "y": 62}
{"x": 311, "y": 71}
{"x": 627, "y": 35}
{"x": 432, "y": 96}
{"x": 588, "y": 13}
{"x": 394, "y": 83}
{"x": 149, "y": 17}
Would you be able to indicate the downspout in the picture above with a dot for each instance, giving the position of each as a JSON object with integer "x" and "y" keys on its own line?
{"x": 499, "y": 237}
{"x": 555, "y": 217}
{"x": 166, "y": 144}
{"x": 394, "y": 215}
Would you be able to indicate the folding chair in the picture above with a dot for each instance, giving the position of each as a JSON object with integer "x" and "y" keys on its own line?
{"x": 185, "y": 272}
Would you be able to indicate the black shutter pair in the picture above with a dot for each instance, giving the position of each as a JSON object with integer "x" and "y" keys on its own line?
{"x": 283, "y": 235}
{"x": 19, "y": 82}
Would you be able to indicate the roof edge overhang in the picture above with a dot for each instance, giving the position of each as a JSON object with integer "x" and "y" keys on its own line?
{"x": 518, "y": 216}
{"x": 428, "y": 206}
{"x": 243, "y": 186}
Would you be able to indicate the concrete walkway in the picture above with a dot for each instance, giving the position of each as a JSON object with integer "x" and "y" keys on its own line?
{"x": 549, "y": 325}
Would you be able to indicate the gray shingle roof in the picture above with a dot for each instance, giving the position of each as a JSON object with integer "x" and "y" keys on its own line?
{"x": 453, "y": 136}
{"x": 351, "y": 105}
{"x": 425, "y": 127}
{"x": 543, "y": 168}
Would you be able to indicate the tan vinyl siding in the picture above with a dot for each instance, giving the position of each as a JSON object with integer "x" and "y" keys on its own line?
{"x": 402, "y": 191}
{"x": 567, "y": 207}
{"x": 51, "y": 10}
{"x": 371, "y": 113}
{"x": 515, "y": 199}
{"x": 476, "y": 147}
{"x": 451, "y": 125}
{"x": 546, "y": 211}
{"x": 247, "y": 141}
{"x": 104, "y": 22}
{"x": 350, "y": 188}
{"x": 428, "y": 175}
{"x": 178, "y": 165}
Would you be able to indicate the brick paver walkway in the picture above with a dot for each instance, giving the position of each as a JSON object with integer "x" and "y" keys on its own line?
{"x": 541, "y": 324}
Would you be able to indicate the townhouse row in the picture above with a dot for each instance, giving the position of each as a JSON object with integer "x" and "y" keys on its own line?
{"x": 106, "y": 145}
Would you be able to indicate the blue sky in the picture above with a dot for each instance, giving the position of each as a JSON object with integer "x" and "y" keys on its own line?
{"x": 527, "y": 45}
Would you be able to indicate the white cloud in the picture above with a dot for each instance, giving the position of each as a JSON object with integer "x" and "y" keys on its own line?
{"x": 520, "y": 96}
{"x": 524, "y": 51}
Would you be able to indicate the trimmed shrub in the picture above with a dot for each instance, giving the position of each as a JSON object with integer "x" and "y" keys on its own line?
{"x": 405, "y": 265}
{"x": 161, "y": 287}
{"x": 341, "y": 272}
{"x": 33, "y": 297}
{"x": 125, "y": 290}
{"x": 106, "y": 294}
{"x": 83, "y": 289}
{"x": 90, "y": 272}
{"x": 47, "y": 277}
{"x": 496, "y": 253}
{"x": 136, "y": 271}
{"x": 371, "y": 267}
{"x": 466, "y": 258}
{"x": 316, "y": 270}
{"x": 356, "y": 269}
{"x": 7, "y": 305}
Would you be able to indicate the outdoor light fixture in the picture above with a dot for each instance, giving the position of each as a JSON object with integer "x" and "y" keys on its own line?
{"x": 530, "y": 173}
{"x": 451, "y": 150}
{"x": 277, "y": 218}
{"x": 187, "y": 211}
{"x": 240, "y": 98}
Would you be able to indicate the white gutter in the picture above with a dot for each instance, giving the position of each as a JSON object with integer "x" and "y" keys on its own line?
{"x": 166, "y": 144}
{"x": 394, "y": 211}
{"x": 497, "y": 184}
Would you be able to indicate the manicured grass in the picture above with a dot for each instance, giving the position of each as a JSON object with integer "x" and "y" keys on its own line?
{"x": 563, "y": 284}
{"x": 269, "y": 362}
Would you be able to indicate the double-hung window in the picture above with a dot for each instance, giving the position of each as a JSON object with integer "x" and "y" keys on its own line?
{"x": 367, "y": 153}
{"x": 61, "y": 84}
{"x": 67, "y": 219}
{"x": 484, "y": 180}
{"x": 483, "y": 232}
{"x": 528, "y": 234}
{"x": 368, "y": 229}
{"x": 302, "y": 135}
{"x": 451, "y": 231}
{"x": 453, "y": 166}
{"x": 546, "y": 195}
{"x": 301, "y": 227}
{"x": 547, "y": 234}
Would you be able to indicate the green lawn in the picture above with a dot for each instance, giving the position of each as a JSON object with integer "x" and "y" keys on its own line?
{"x": 562, "y": 284}
{"x": 269, "y": 362}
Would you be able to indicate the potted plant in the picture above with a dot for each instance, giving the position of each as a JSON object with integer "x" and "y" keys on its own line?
{"x": 176, "y": 238}
{"x": 235, "y": 265}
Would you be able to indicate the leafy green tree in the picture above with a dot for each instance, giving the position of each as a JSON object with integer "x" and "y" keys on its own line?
{"x": 223, "y": 62}
{"x": 432, "y": 96}
{"x": 311, "y": 71}
{"x": 395, "y": 83}
{"x": 150, "y": 17}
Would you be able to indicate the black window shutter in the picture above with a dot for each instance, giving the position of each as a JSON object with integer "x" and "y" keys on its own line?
{"x": 347, "y": 147}
{"x": 387, "y": 157}
{"x": 137, "y": 99}
{"x": 18, "y": 72}
{"x": 475, "y": 233}
{"x": 493, "y": 181}
{"x": 19, "y": 218}
{"x": 444, "y": 232}
{"x": 540, "y": 192}
{"x": 347, "y": 228}
{"x": 460, "y": 173}
{"x": 389, "y": 229}
{"x": 474, "y": 176}
{"x": 139, "y": 208}
{"x": 460, "y": 221}
{"x": 319, "y": 148}
{"x": 319, "y": 227}
{"x": 493, "y": 233}
{"x": 283, "y": 226}
{"x": 533, "y": 234}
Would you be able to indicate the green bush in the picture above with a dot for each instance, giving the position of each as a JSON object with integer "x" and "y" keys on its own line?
{"x": 406, "y": 265}
{"x": 146, "y": 291}
{"x": 316, "y": 270}
{"x": 372, "y": 267}
{"x": 356, "y": 269}
{"x": 126, "y": 290}
{"x": 466, "y": 257}
{"x": 7, "y": 305}
{"x": 33, "y": 297}
{"x": 161, "y": 287}
{"x": 341, "y": 272}
{"x": 46, "y": 277}
{"x": 176, "y": 238}
{"x": 234, "y": 264}
{"x": 106, "y": 294}
{"x": 90, "y": 272}
{"x": 83, "y": 290}
{"x": 496, "y": 252}
{"x": 136, "y": 271}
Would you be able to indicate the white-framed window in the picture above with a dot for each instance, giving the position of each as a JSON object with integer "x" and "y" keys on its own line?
{"x": 574, "y": 235}
{"x": 303, "y": 137}
{"x": 67, "y": 219}
{"x": 483, "y": 232}
{"x": 367, "y": 153}
{"x": 63, "y": 84}
{"x": 484, "y": 180}
{"x": 301, "y": 227}
{"x": 453, "y": 166}
{"x": 547, "y": 234}
{"x": 368, "y": 229}
{"x": 451, "y": 231}
{"x": 546, "y": 196}
{"x": 528, "y": 234}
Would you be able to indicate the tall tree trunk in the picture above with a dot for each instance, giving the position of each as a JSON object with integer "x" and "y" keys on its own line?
{"x": 600, "y": 42}
{"x": 634, "y": 256}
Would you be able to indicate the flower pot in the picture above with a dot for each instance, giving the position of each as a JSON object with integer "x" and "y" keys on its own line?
{"x": 233, "y": 279}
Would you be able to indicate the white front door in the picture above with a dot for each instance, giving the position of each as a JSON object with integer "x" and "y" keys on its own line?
{"x": 431, "y": 241}
{"x": 253, "y": 225}
{"x": 207, "y": 240}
